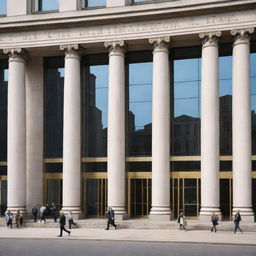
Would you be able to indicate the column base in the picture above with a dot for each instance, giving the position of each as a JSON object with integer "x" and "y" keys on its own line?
{"x": 160, "y": 213}
{"x": 206, "y": 213}
{"x": 247, "y": 214}
{"x": 76, "y": 212}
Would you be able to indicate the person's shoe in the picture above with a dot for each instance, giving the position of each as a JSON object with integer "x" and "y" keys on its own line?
{"x": 59, "y": 236}
{"x": 115, "y": 226}
{"x": 106, "y": 229}
{"x": 69, "y": 233}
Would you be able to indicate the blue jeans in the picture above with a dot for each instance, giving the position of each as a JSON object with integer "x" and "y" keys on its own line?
{"x": 237, "y": 227}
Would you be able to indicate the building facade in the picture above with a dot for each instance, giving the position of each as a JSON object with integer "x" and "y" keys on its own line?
{"x": 147, "y": 106}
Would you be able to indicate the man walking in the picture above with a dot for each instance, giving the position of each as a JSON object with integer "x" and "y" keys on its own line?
{"x": 34, "y": 212}
{"x": 214, "y": 220}
{"x": 111, "y": 218}
{"x": 237, "y": 221}
{"x": 62, "y": 224}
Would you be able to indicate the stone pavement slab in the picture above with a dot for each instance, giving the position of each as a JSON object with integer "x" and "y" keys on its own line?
{"x": 140, "y": 235}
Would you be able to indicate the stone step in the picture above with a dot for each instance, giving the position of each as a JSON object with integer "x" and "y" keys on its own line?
{"x": 139, "y": 224}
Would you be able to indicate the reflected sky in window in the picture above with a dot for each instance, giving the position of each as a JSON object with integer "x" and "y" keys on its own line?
{"x": 140, "y": 93}
{"x": 187, "y": 76}
{"x": 253, "y": 80}
{"x": 93, "y": 3}
{"x": 3, "y": 7}
{"x": 49, "y": 5}
{"x": 101, "y": 90}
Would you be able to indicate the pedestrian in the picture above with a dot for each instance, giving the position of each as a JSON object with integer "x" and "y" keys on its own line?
{"x": 34, "y": 212}
{"x": 53, "y": 211}
{"x": 237, "y": 220}
{"x": 42, "y": 213}
{"x": 17, "y": 219}
{"x": 181, "y": 221}
{"x": 62, "y": 224}
{"x": 8, "y": 218}
{"x": 214, "y": 220}
{"x": 111, "y": 218}
{"x": 70, "y": 220}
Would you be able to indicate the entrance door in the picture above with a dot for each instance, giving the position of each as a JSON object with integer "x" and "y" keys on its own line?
{"x": 185, "y": 196}
{"x": 95, "y": 197}
{"x": 140, "y": 197}
{"x": 226, "y": 198}
{"x": 3, "y": 196}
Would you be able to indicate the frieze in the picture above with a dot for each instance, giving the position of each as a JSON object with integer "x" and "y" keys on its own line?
{"x": 152, "y": 28}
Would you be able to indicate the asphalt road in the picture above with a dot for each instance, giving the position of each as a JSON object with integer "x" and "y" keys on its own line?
{"x": 65, "y": 247}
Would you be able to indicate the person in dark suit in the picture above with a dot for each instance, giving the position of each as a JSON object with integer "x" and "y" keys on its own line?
{"x": 34, "y": 212}
{"x": 111, "y": 218}
{"x": 62, "y": 224}
{"x": 214, "y": 220}
{"x": 237, "y": 220}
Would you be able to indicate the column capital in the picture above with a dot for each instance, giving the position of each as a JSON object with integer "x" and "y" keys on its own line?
{"x": 116, "y": 47}
{"x": 242, "y": 36}
{"x": 160, "y": 43}
{"x": 72, "y": 50}
{"x": 210, "y": 38}
{"x": 16, "y": 54}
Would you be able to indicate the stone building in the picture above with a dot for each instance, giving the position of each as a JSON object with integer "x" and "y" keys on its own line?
{"x": 147, "y": 106}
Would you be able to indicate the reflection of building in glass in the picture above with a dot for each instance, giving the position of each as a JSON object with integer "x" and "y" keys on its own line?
{"x": 253, "y": 132}
{"x": 226, "y": 125}
{"x": 94, "y": 133}
{"x": 54, "y": 113}
{"x": 3, "y": 115}
{"x": 140, "y": 139}
{"x": 186, "y": 135}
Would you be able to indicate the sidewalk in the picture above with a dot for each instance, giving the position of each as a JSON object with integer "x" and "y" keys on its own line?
{"x": 134, "y": 235}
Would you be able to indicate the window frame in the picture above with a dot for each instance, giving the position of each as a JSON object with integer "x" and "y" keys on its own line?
{"x": 35, "y": 8}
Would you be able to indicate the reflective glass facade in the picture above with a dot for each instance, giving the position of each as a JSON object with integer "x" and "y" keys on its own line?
{"x": 139, "y": 76}
{"x": 94, "y": 106}
{"x": 253, "y": 99}
{"x": 53, "y": 107}
{"x": 3, "y": 109}
{"x": 186, "y": 116}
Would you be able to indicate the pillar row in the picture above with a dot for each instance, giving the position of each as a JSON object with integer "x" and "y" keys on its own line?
{"x": 160, "y": 131}
{"x": 16, "y": 140}
{"x": 210, "y": 197}
{"x": 116, "y": 128}
{"x": 72, "y": 131}
{"x": 241, "y": 125}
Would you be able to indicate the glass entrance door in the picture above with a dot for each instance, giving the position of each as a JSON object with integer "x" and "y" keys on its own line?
{"x": 185, "y": 196}
{"x": 140, "y": 197}
{"x": 95, "y": 197}
{"x": 226, "y": 198}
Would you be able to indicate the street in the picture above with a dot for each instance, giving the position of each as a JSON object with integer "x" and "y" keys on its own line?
{"x": 67, "y": 247}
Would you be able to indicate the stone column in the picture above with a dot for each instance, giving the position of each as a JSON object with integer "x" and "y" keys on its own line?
{"x": 116, "y": 128}
{"x": 16, "y": 139}
{"x": 241, "y": 123}
{"x": 210, "y": 197}
{"x": 34, "y": 132}
{"x": 72, "y": 131}
{"x": 160, "y": 131}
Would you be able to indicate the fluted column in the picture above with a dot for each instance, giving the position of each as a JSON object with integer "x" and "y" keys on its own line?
{"x": 72, "y": 131}
{"x": 160, "y": 131}
{"x": 241, "y": 123}
{"x": 210, "y": 198}
{"x": 116, "y": 128}
{"x": 16, "y": 145}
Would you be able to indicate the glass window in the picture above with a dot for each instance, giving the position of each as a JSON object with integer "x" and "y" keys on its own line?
{"x": 225, "y": 101}
{"x": 140, "y": 108}
{"x": 3, "y": 109}
{"x": 3, "y": 7}
{"x": 93, "y": 3}
{"x": 186, "y": 123}
{"x": 46, "y": 5}
{"x": 53, "y": 107}
{"x": 94, "y": 167}
{"x": 95, "y": 110}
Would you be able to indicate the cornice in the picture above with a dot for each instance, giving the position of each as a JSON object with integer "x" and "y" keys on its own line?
{"x": 122, "y": 14}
